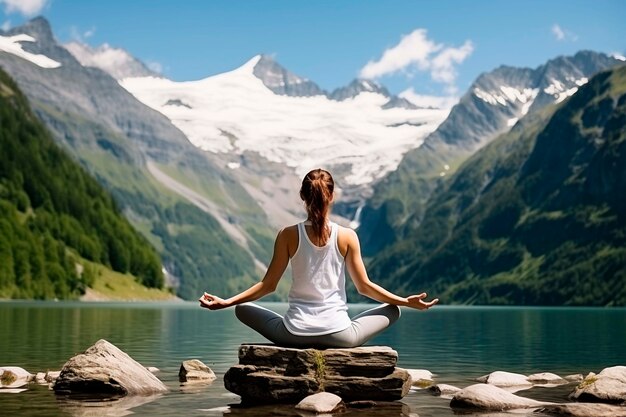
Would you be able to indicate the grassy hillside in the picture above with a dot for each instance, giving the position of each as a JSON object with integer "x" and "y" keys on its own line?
{"x": 192, "y": 244}
{"x": 537, "y": 217}
{"x": 50, "y": 208}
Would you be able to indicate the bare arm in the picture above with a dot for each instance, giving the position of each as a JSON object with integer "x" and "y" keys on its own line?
{"x": 267, "y": 285}
{"x": 356, "y": 269}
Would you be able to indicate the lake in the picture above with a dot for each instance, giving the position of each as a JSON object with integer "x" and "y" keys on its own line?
{"x": 457, "y": 344}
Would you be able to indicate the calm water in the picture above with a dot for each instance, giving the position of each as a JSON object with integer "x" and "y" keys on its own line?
{"x": 456, "y": 343}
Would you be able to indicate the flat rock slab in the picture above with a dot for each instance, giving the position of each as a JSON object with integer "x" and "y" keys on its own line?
{"x": 272, "y": 374}
{"x": 491, "y": 398}
{"x": 584, "y": 410}
{"x": 105, "y": 369}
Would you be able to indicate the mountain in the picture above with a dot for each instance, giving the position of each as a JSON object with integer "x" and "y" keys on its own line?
{"x": 115, "y": 61}
{"x": 236, "y": 118}
{"x": 204, "y": 224}
{"x": 361, "y": 85}
{"x": 357, "y": 87}
{"x": 55, "y": 220}
{"x": 492, "y": 105}
{"x": 283, "y": 82}
{"x": 537, "y": 217}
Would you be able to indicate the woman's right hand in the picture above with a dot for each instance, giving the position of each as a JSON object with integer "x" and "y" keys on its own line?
{"x": 417, "y": 302}
{"x": 212, "y": 302}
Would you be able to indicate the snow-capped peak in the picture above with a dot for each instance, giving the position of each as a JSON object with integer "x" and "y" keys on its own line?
{"x": 282, "y": 81}
{"x": 358, "y": 86}
{"x": 115, "y": 61}
{"x": 12, "y": 45}
{"x": 235, "y": 113}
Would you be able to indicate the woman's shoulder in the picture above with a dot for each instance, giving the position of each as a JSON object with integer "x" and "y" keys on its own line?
{"x": 346, "y": 238}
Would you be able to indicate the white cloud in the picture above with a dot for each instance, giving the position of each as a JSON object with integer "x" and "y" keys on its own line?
{"x": 559, "y": 34}
{"x": 416, "y": 51}
{"x": 6, "y": 25}
{"x": 81, "y": 36}
{"x": 25, "y": 7}
{"x": 155, "y": 66}
{"x": 443, "y": 65}
{"x": 562, "y": 34}
{"x": 421, "y": 100}
{"x": 413, "y": 49}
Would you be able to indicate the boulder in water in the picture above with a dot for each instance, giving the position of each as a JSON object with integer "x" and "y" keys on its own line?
{"x": 491, "y": 398}
{"x": 609, "y": 386}
{"x": 194, "y": 370}
{"x": 105, "y": 369}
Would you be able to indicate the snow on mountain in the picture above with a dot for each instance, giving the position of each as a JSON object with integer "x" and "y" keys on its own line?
{"x": 357, "y": 87}
{"x": 235, "y": 112}
{"x": 115, "y": 61}
{"x": 12, "y": 45}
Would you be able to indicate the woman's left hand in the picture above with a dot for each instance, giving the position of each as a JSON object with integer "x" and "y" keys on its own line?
{"x": 212, "y": 302}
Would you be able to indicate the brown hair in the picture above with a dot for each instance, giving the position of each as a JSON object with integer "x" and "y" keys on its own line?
{"x": 317, "y": 193}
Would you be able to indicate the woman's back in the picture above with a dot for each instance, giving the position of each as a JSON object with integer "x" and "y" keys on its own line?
{"x": 317, "y": 299}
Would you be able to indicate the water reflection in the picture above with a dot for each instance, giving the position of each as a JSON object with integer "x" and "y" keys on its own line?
{"x": 456, "y": 344}
{"x": 105, "y": 407}
{"x": 382, "y": 409}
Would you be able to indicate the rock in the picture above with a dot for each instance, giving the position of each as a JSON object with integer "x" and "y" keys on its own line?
{"x": 584, "y": 410}
{"x": 504, "y": 379}
{"x": 271, "y": 374}
{"x": 491, "y": 398}
{"x": 546, "y": 378}
{"x": 322, "y": 402}
{"x": 444, "y": 390}
{"x": 12, "y": 390}
{"x": 609, "y": 386}
{"x": 105, "y": 369}
{"x": 421, "y": 377}
{"x": 40, "y": 378}
{"x": 194, "y": 370}
{"x": 153, "y": 369}
{"x": 52, "y": 376}
{"x": 573, "y": 378}
{"x": 14, "y": 377}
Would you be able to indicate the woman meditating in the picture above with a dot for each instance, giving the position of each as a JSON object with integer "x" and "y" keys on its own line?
{"x": 319, "y": 251}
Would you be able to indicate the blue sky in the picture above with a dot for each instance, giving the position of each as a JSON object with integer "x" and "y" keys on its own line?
{"x": 433, "y": 47}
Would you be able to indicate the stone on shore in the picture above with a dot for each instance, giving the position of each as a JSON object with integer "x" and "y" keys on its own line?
{"x": 491, "y": 398}
{"x": 52, "y": 376}
{"x": 504, "y": 379}
{"x": 105, "y": 369}
{"x": 444, "y": 390}
{"x": 546, "y": 378}
{"x": 583, "y": 410}
{"x": 322, "y": 402}
{"x": 421, "y": 377}
{"x": 574, "y": 377}
{"x": 271, "y": 374}
{"x": 40, "y": 378}
{"x": 14, "y": 377}
{"x": 194, "y": 370}
{"x": 609, "y": 386}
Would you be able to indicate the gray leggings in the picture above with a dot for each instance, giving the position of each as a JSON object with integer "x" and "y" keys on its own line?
{"x": 364, "y": 327}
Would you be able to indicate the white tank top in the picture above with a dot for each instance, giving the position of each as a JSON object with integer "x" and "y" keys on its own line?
{"x": 317, "y": 299}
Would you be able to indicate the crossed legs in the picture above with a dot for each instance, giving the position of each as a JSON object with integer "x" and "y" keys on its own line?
{"x": 364, "y": 327}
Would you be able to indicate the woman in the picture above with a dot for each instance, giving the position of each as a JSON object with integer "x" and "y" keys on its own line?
{"x": 319, "y": 251}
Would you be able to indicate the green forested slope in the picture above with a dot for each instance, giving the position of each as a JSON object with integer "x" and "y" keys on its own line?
{"x": 537, "y": 217}
{"x": 52, "y": 213}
